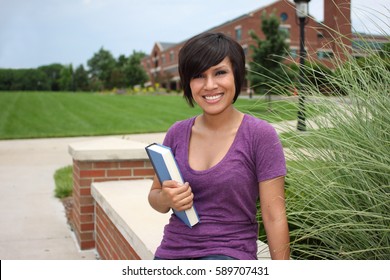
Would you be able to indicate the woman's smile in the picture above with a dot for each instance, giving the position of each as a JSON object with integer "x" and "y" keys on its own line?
{"x": 213, "y": 98}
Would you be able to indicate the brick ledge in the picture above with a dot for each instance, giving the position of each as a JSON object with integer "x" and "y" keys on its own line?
{"x": 126, "y": 205}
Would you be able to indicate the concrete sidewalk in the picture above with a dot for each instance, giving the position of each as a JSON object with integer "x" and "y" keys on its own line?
{"x": 33, "y": 222}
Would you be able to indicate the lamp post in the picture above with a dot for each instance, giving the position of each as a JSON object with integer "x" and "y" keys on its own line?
{"x": 302, "y": 7}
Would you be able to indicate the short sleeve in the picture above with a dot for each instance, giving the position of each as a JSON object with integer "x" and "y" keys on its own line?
{"x": 169, "y": 136}
{"x": 175, "y": 133}
{"x": 270, "y": 160}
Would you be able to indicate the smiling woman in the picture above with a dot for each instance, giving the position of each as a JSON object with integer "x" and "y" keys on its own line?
{"x": 215, "y": 87}
{"x": 228, "y": 159}
{"x": 221, "y": 58}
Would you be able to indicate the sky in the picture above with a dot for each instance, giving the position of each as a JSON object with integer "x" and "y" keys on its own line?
{"x": 41, "y": 32}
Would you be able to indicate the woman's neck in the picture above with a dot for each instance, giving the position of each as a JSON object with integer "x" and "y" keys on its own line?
{"x": 230, "y": 118}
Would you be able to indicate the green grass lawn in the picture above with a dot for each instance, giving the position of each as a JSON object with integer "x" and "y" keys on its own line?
{"x": 50, "y": 114}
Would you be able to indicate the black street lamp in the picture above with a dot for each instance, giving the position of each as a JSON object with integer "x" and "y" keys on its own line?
{"x": 302, "y": 7}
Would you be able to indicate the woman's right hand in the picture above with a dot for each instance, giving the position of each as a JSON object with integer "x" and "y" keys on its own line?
{"x": 177, "y": 196}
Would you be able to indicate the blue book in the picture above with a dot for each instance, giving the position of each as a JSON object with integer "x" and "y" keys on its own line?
{"x": 166, "y": 168}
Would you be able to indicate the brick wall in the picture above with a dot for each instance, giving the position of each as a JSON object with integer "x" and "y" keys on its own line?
{"x": 110, "y": 243}
{"x": 87, "y": 172}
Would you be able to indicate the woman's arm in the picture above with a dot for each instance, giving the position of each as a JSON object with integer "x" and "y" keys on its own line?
{"x": 273, "y": 210}
{"x": 170, "y": 195}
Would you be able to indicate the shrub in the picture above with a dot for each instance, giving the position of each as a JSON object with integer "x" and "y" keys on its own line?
{"x": 338, "y": 186}
{"x": 64, "y": 182}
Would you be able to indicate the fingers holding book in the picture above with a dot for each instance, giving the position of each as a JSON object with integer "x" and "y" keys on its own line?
{"x": 177, "y": 196}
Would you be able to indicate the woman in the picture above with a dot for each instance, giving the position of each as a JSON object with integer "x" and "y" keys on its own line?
{"x": 229, "y": 160}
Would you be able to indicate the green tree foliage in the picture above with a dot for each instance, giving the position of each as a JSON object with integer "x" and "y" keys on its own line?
{"x": 105, "y": 72}
{"x": 23, "y": 79}
{"x": 135, "y": 74}
{"x": 81, "y": 79}
{"x": 66, "y": 80}
{"x": 120, "y": 73}
{"x": 101, "y": 66}
{"x": 6, "y": 79}
{"x": 266, "y": 68}
{"x": 128, "y": 71}
{"x": 53, "y": 73}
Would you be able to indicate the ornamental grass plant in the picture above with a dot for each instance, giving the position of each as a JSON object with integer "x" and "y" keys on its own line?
{"x": 338, "y": 182}
{"x": 63, "y": 178}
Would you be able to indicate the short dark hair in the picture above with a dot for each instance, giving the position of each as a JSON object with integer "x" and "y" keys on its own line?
{"x": 206, "y": 50}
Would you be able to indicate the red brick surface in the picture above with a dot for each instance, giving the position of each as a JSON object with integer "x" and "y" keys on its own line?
{"x": 83, "y": 215}
{"x": 110, "y": 243}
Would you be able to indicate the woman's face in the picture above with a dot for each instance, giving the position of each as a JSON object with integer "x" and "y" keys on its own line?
{"x": 214, "y": 89}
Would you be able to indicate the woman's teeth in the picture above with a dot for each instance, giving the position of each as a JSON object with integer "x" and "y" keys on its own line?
{"x": 212, "y": 97}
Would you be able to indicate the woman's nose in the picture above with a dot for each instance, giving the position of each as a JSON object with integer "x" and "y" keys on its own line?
{"x": 210, "y": 83}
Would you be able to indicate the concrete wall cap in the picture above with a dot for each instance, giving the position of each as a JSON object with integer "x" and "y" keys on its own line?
{"x": 126, "y": 204}
{"x": 109, "y": 148}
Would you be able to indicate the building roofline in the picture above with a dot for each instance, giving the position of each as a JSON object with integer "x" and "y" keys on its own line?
{"x": 165, "y": 45}
{"x": 249, "y": 14}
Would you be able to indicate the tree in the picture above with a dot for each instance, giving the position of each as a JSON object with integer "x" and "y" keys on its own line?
{"x": 128, "y": 71}
{"x": 134, "y": 72}
{"x": 67, "y": 78}
{"x": 7, "y": 78}
{"x": 266, "y": 68}
{"x": 101, "y": 66}
{"x": 122, "y": 60}
{"x": 30, "y": 79}
{"x": 81, "y": 79}
{"x": 118, "y": 78}
{"x": 53, "y": 73}
{"x": 104, "y": 73}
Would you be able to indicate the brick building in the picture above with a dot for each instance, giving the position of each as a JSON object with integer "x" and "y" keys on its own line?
{"x": 321, "y": 39}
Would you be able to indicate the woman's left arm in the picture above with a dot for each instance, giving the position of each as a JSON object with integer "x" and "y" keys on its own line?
{"x": 273, "y": 211}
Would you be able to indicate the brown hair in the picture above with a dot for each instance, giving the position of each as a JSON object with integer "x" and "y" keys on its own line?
{"x": 206, "y": 50}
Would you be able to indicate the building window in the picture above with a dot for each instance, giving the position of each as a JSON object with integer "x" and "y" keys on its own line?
{"x": 361, "y": 44}
{"x": 163, "y": 59}
{"x": 238, "y": 31}
{"x": 171, "y": 56}
{"x": 283, "y": 17}
{"x": 155, "y": 59}
{"x": 320, "y": 35}
{"x": 245, "y": 48}
{"x": 293, "y": 53}
{"x": 323, "y": 54}
{"x": 285, "y": 29}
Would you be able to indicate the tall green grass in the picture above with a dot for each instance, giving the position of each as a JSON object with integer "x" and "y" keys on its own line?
{"x": 63, "y": 179}
{"x": 338, "y": 185}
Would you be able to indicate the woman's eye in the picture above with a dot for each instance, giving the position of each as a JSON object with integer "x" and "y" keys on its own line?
{"x": 198, "y": 76}
{"x": 221, "y": 72}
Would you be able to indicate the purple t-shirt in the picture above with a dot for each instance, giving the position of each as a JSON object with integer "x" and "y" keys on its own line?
{"x": 225, "y": 195}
